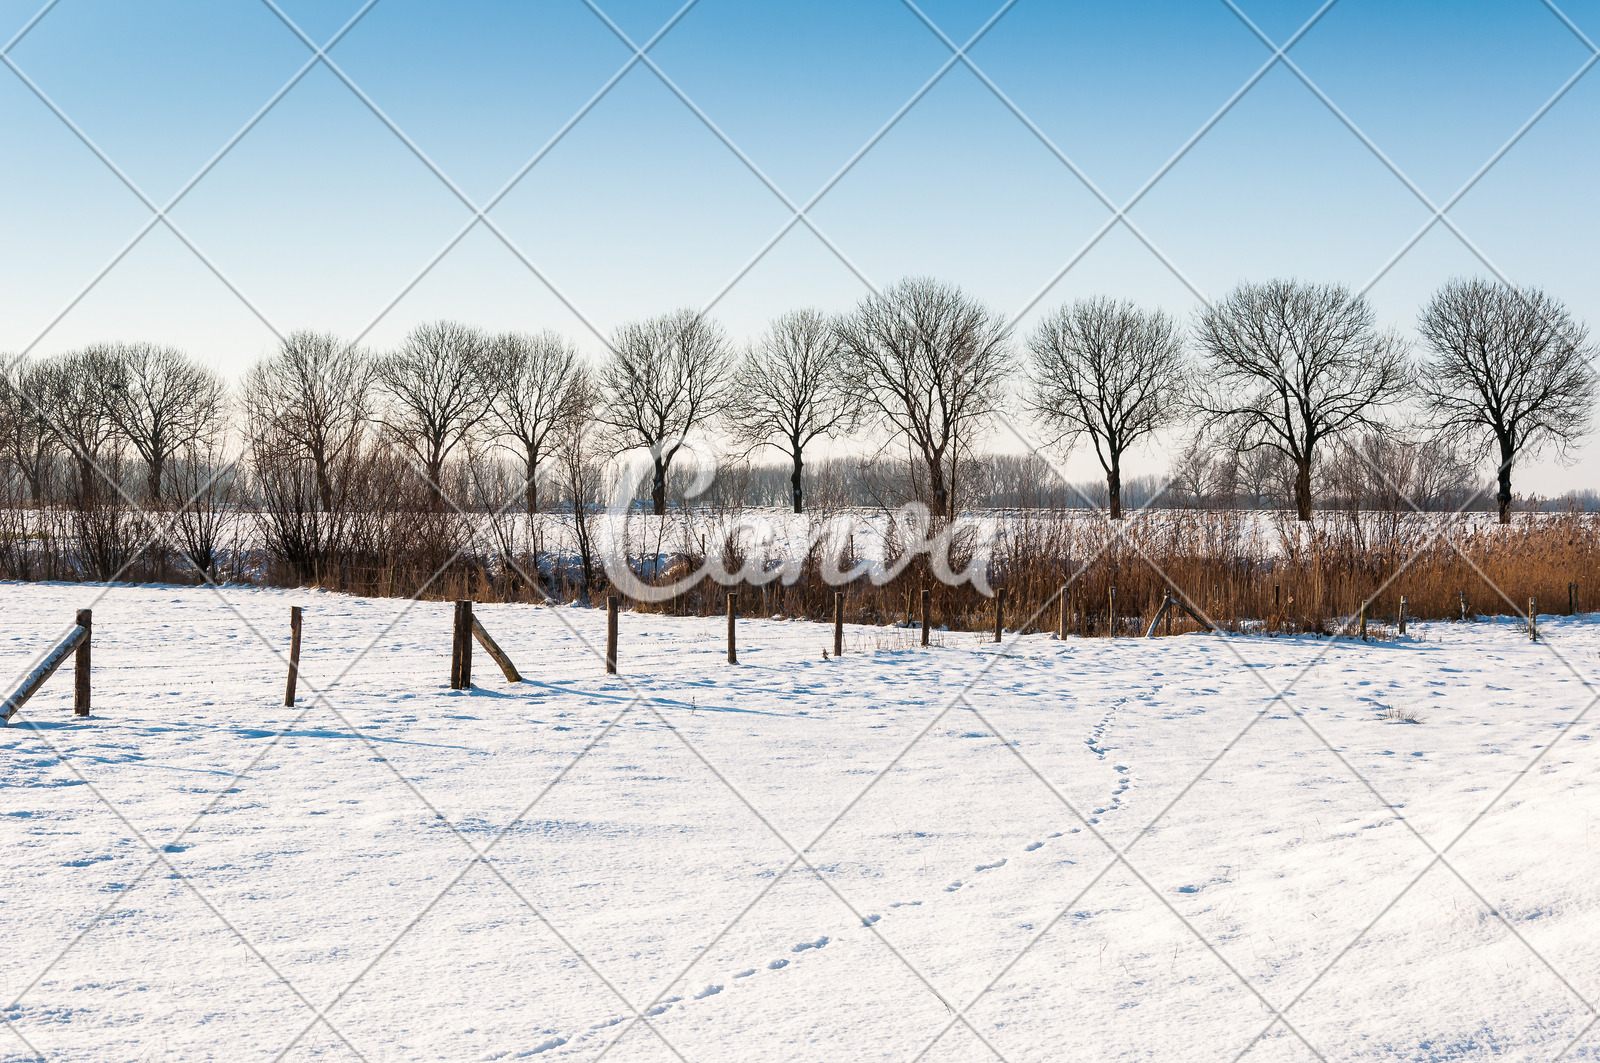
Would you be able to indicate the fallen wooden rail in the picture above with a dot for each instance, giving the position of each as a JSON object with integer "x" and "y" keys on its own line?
{"x": 1167, "y": 602}
{"x": 76, "y": 642}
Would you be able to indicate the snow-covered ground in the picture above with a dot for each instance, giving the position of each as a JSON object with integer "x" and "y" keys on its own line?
{"x": 196, "y": 872}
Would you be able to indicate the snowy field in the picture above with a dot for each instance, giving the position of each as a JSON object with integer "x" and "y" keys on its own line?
{"x": 794, "y": 858}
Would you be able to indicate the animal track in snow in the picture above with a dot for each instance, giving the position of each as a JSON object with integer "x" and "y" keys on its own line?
{"x": 817, "y": 944}
{"x": 990, "y": 867}
{"x": 776, "y": 964}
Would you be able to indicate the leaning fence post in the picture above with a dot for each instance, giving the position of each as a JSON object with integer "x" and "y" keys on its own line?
{"x": 294, "y": 655}
{"x": 80, "y": 672}
{"x": 838, "y": 623}
{"x": 999, "y": 611}
{"x": 1533, "y": 628}
{"x": 1402, "y": 614}
{"x": 611, "y": 634}
{"x": 926, "y": 597}
{"x": 733, "y": 648}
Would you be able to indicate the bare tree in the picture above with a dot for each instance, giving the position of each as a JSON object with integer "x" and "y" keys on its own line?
{"x": 30, "y": 443}
{"x": 540, "y": 386}
{"x": 933, "y": 362}
{"x": 203, "y": 486}
{"x": 1109, "y": 371}
{"x": 665, "y": 378}
{"x": 310, "y": 400}
{"x": 438, "y": 392}
{"x": 76, "y": 387}
{"x": 580, "y": 478}
{"x": 1291, "y": 365}
{"x": 790, "y": 391}
{"x": 1510, "y": 371}
{"x": 162, "y": 402}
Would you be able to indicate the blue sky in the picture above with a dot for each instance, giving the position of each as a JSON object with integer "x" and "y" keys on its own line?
{"x": 320, "y": 216}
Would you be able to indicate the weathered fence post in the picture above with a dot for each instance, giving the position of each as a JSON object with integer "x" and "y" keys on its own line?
{"x": 1061, "y": 625}
{"x": 1402, "y": 614}
{"x": 1533, "y": 627}
{"x": 1111, "y": 623}
{"x": 294, "y": 656}
{"x": 999, "y": 611}
{"x": 1164, "y": 611}
{"x": 461, "y": 647}
{"x": 733, "y": 647}
{"x": 927, "y": 597}
{"x": 1363, "y": 622}
{"x": 80, "y": 665}
{"x": 611, "y": 634}
{"x": 1277, "y": 597}
{"x": 838, "y": 623}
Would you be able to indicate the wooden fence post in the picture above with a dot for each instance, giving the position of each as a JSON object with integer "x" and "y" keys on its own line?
{"x": 1533, "y": 628}
{"x": 1572, "y": 599}
{"x": 455, "y": 646}
{"x": 611, "y": 634}
{"x": 838, "y": 623}
{"x": 465, "y": 620}
{"x": 80, "y": 668}
{"x": 1463, "y": 604}
{"x": 1402, "y": 614}
{"x": 1061, "y": 624}
{"x": 1363, "y": 621}
{"x": 999, "y": 611}
{"x": 1111, "y": 605}
{"x": 733, "y": 647}
{"x": 294, "y": 656}
{"x": 926, "y": 600}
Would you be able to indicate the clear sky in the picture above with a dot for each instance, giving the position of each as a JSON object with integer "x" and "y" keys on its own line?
{"x": 321, "y": 216}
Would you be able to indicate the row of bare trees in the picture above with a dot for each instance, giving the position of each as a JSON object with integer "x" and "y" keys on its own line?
{"x": 1298, "y": 372}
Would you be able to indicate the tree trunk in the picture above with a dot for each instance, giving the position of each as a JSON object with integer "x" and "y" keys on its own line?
{"x": 658, "y": 489}
{"x": 435, "y": 487}
{"x": 530, "y": 489}
{"x": 795, "y": 490}
{"x": 1114, "y": 489}
{"x": 153, "y": 485}
{"x": 1504, "y": 496}
{"x": 1302, "y": 489}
